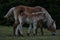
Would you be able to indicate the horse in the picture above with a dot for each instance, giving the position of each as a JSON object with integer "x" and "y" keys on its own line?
{"x": 29, "y": 10}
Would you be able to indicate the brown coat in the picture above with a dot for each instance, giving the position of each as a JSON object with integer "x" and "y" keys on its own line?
{"x": 26, "y": 10}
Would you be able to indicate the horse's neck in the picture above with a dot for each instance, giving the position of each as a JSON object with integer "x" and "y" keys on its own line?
{"x": 49, "y": 18}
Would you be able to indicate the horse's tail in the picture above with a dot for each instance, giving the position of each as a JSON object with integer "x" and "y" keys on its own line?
{"x": 9, "y": 13}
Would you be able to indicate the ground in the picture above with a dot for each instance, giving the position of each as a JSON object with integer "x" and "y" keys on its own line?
{"x": 7, "y": 31}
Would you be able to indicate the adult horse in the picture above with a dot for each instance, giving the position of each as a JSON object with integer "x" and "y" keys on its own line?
{"x": 29, "y": 10}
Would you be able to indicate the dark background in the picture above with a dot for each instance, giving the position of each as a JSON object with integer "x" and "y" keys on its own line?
{"x": 52, "y": 6}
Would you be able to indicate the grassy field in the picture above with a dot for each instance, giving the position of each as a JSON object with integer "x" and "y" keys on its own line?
{"x": 6, "y": 34}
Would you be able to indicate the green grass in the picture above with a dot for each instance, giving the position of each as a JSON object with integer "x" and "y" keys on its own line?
{"x": 6, "y": 34}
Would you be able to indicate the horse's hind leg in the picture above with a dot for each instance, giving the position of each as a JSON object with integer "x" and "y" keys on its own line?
{"x": 20, "y": 29}
{"x": 42, "y": 33}
{"x": 34, "y": 28}
{"x": 14, "y": 28}
{"x": 20, "y": 25}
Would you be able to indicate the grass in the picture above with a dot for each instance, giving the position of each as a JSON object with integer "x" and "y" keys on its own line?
{"x": 6, "y": 34}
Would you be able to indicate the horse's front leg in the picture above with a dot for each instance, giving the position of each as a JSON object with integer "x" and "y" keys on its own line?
{"x": 34, "y": 28}
{"x": 41, "y": 27}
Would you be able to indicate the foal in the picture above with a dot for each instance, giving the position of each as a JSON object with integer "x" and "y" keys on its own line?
{"x": 32, "y": 19}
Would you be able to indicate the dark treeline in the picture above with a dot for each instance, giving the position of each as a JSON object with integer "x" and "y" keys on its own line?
{"x": 52, "y": 6}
